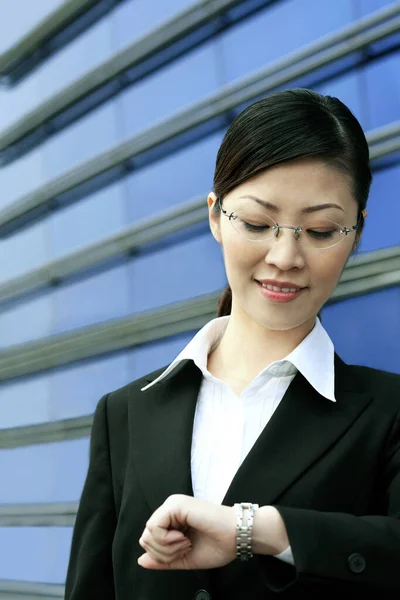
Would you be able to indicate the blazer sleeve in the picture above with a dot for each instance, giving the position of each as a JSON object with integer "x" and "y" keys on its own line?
{"x": 90, "y": 570}
{"x": 339, "y": 547}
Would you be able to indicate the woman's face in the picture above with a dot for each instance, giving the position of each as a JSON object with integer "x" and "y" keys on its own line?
{"x": 295, "y": 190}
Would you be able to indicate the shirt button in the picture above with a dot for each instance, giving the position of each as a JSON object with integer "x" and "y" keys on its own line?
{"x": 357, "y": 563}
{"x": 202, "y": 595}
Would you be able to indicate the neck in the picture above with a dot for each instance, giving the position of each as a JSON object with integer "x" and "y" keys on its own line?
{"x": 247, "y": 348}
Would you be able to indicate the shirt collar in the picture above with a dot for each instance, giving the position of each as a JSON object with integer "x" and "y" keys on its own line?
{"x": 313, "y": 357}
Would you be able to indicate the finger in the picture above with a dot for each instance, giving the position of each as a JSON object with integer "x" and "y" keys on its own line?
{"x": 166, "y": 552}
{"x": 173, "y": 535}
{"x": 147, "y": 562}
{"x": 165, "y": 558}
{"x": 168, "y": 549}
{"x": 163, "y": 537}
{"x": 168, "y": 515}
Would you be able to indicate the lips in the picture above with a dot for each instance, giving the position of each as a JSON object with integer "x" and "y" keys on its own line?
{"x": 280, "y": 286}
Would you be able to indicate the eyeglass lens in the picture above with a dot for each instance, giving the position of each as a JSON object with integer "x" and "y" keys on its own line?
{"x": 316, "y": 232}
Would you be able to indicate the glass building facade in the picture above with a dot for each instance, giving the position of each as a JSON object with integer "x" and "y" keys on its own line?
{"x": 127, "y": 149}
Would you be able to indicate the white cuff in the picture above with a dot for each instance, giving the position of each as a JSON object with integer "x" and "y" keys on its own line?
{"x": 286, "y": 556}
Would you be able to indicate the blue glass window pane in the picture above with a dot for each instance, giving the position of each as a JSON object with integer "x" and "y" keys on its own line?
{"x": 175, "y": 179}
{"x": 348, "y": 89}
{"x": 278, "y": 30}
{"x": 364, "y": 7}
{"x": 135, "y": 18}
{"x": 46, "y": 472}
{"x": 26, "y": 401}
{"x": 78, "y": 388}
{"x": 81, "y": 141}
{"x": 21, "y": 177}
{"x": 35, "y": 553}
{"x": 16, "y": 101}
{"x": 96, "y": 216}
{"x": 382, "y": 88}
{"x": 181, "y": 83}
{"x": 382, "y": 223}
{"x": 25, "y": 250}
{"x": 92, "y": 300}
{"x": 365, "y": 329}
{"x": 28, "y": 321}
{"x": 177, "y": 272}
{"x": 149, "y": 357}
{"x": 84, "y": 53}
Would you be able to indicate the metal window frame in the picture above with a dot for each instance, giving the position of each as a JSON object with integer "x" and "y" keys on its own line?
{"x": 31, "y": 50}
{"x": 365, "y": 273}
{"x": 46, "y": 432}
{"x": 220, "y": 104}
{"x": 24, "y": 590}
{"x": 140, "y": 54}
{"x": 47, "y": 514}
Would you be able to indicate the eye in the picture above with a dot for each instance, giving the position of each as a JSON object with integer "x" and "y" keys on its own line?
{"x": 255, "y": 228}
{"x": 321, "y": 235}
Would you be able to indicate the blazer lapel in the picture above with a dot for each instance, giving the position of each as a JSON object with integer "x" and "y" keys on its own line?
{"x": 302, "y": 428}
{"x": 161, "y": 426}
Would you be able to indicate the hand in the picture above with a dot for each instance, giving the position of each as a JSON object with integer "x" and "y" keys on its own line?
{"x": 188, "y": 533}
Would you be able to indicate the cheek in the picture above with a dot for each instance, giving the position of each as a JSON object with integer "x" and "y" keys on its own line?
{"x": 239, "y": 256}
{"x": 327, "y": 268}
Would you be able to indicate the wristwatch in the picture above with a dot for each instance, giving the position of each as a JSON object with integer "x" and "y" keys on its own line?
{"x": 244, "y": 526}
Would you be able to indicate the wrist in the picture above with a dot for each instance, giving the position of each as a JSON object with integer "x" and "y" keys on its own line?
{"x": 269, "y": 532}
{"x": 245, "y": 512}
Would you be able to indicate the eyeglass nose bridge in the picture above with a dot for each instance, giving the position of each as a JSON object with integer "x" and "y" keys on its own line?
{"x": 297, "y": 230}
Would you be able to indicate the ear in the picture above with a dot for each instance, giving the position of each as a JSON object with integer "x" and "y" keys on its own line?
{"x": 214, "y": 217}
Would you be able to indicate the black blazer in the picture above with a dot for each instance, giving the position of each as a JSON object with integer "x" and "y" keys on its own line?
{"x": 331, "y": 469}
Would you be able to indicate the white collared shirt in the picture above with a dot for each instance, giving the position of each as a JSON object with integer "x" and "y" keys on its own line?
{"x": 226, "y": 425}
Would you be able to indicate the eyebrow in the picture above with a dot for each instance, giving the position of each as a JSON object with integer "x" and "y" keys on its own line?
{"x": 308, "y": 210}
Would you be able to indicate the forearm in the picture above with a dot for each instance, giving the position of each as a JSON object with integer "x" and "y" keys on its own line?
{"x": 356, "y": 549}
{"x": 329, "y": 547}
{"x": 269, "y": 532}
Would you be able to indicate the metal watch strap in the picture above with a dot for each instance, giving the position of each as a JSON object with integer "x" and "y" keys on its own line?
{"x": 244, "y": 526}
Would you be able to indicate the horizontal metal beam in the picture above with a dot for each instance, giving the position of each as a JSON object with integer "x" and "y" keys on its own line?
{"x": 48, "y": 27}
{"x": 381, "y": 134}
{"x": 45, "y": 433}
{"x": 147, "y": 231}
{"x": 362, "y": 275}
{"x": 367, "y": 273}
{"x": 139, "y": 51}
{"x": 130, "y": 238}
{"x": 385, "y": 148}
{"x": 24, "y": 590}
{"x": 106, "y": 337}
{"x": 306, "y": 61}
{"x": 57, "y": 514}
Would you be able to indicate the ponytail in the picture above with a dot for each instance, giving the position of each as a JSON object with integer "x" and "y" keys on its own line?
{"x": 225, "y": 303}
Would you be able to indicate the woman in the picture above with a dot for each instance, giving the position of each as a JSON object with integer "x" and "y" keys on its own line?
{"x": 258, "y": 408}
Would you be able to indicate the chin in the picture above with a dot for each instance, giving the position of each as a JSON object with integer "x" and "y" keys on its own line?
{"x": 283, "y": 326}
{"x": 284, "y": 322}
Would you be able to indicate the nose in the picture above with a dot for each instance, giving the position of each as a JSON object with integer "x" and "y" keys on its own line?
{"x": 285, "y": 252}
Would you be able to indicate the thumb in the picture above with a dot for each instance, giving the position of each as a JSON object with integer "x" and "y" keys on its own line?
{"x": 147, "y": 562}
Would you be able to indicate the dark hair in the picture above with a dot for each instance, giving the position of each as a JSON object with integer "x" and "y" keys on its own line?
{"x": 285, "y": 126}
